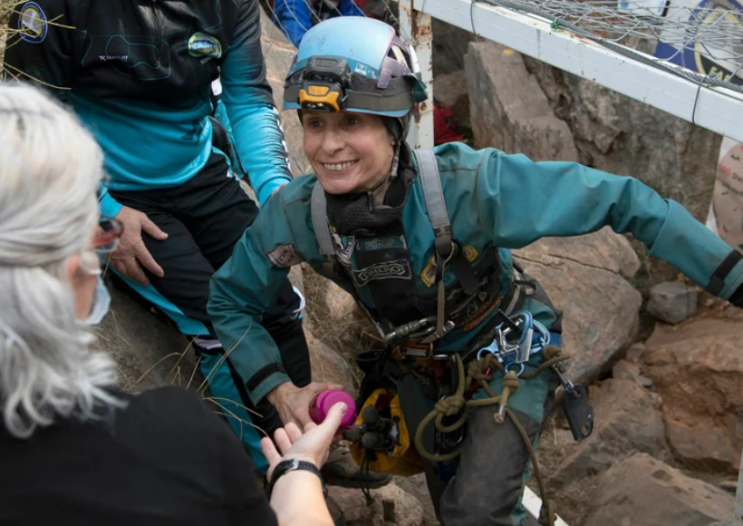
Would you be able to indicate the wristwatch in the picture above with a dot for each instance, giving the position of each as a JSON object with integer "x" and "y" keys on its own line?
{"x": 285, "y": 466}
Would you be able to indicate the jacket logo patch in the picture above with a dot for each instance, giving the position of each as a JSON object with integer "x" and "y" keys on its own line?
{"x": 428, "y": 276}
{"x": 32, "y": 23}
{"x": 398, "y": 269}
{"x": 202, "y": 45}
{"x": 344, "y": 253}
{"x": 284, "y": 256}
{"x": 383, "y": 243}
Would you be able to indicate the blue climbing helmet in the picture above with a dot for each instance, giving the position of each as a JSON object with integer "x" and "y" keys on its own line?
{"x": 354, "y": 64}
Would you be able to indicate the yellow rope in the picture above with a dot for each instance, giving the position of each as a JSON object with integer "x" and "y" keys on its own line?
{"x": 478, "y": 371}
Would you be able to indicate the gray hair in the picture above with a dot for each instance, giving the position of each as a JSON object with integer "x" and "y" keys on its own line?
{"x": 50, "y": 169}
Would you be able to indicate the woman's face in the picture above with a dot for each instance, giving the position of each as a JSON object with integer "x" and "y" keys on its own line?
{"x": 349, "y": 152}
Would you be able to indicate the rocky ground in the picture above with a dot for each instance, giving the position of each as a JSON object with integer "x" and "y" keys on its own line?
{"x": 667, "y": 395}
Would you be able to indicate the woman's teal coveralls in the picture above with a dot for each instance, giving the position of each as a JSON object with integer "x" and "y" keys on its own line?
{"x": 493, "y": 200}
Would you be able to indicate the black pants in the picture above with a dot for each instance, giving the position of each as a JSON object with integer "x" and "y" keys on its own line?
{"x": 204, "y": 218}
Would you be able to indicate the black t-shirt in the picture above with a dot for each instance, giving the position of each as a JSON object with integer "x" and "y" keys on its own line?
{"x": 164, "y": 460}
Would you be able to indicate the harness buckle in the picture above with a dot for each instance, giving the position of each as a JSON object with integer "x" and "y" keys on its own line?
{"x": 516, "y": 353}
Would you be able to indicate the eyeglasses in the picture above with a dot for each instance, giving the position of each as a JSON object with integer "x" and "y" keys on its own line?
{"x": 107, "y": 236}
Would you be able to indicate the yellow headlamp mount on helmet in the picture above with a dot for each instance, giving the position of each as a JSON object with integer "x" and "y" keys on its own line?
{"x": 324, "y": 84}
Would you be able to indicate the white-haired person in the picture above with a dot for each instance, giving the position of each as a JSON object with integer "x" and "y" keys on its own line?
{"x": 74, "y": 448}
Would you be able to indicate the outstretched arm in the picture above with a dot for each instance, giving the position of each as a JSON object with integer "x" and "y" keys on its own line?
{"x": 521, "y": 201}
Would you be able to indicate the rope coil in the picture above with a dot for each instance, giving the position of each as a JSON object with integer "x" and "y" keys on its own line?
{"x": 480, "y": 371}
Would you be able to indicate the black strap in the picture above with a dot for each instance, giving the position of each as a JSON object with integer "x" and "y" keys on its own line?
{"x": 737, "y": 297}
{"x": 264, "y": 373}
{"x": 293, "y": 464}
{"x": 717, "y": 281}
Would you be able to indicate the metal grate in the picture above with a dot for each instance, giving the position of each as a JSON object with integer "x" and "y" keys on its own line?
{"x": 704, "y": 37}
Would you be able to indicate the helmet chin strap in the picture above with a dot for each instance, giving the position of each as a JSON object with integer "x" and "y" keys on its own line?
{"x": 378, "y": 192}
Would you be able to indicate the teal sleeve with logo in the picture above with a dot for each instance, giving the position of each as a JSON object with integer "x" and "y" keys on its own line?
{"x": 521, "y": 201}
{"x": 248, "y": 98}
{"x": 248, "y": 284}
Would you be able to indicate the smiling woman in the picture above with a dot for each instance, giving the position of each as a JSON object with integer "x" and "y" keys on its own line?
{"x": 349, "y": 152}
{"x": 422, "y": 240}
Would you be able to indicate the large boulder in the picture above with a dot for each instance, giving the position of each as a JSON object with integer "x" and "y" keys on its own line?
{"x": 149, "y": 352}
{"x": 508, "y": 109}
{"x": 642, "y": 490}
{"x": 697, "y": 367}
{"x": 334, "y": 317}
{"x": 391, "y": 505}
{"x": 620, "y": 135}
{"x": 627, "y": 420}
{"x": 418, "y": 488}
{"x": 584, "y": 276}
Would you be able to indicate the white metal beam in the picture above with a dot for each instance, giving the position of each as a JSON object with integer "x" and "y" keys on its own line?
{"x": 716, "y": 109}
{"x": 533, "y": 504}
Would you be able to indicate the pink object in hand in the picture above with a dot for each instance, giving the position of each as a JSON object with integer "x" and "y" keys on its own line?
{"x": 321, "y": 404}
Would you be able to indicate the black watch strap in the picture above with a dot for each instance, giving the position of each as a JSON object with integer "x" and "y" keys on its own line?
{"x": 285, "y": 466}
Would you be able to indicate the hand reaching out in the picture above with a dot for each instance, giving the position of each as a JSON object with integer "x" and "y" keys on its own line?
{"x": 311, "y": 446}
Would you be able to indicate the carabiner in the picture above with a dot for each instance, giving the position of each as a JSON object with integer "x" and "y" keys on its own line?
{"x": 488, "y": 349}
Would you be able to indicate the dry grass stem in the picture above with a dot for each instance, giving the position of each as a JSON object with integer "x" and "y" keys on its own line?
{"x": 238, "y": 404}
{"x": 148, "y": 371}
{"x": 204, "y": 384}
{"x": 230, "y": 414}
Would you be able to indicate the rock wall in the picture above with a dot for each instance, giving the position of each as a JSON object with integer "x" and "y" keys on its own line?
{"x": 643, "y": 490}
{"x": 697, "y": 367}
{"x": 620, "y": 135}
{"x": 546, "y": 113}
{"x": 585, "y": 277}
{"x": 508, "y": 109}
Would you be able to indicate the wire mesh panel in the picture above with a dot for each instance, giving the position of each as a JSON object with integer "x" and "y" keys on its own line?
{"x": 704, "y": 37}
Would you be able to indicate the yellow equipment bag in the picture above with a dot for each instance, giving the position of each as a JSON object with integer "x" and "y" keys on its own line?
{"x": 404, "y": 459}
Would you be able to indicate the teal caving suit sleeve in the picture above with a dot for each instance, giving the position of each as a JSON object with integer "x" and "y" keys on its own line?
{"x": 248, "y": 284}
{"x": 248, "y": 99}
{"x": 521, "y": 201}
{"x": 41, "y": 55}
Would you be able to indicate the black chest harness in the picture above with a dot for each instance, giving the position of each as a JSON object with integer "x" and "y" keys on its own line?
{"x": 375, "y": 267}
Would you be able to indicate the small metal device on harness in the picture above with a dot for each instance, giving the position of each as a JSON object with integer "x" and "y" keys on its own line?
{"x": 514, "y": 353}
{"x": 423, "y": 330}
{"x": 578, "y": 412}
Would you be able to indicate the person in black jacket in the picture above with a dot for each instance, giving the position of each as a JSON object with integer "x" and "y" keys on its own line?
{"x": 139, "y": 75}
{"x": 74, "y": 449}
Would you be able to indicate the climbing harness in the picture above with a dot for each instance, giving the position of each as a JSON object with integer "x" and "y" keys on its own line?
{"x": 514, "y": 355}
{"x": 514, "y": 338}
{"x": 398, "y": 312}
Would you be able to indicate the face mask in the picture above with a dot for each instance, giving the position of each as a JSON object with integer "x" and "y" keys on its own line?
{"x": 101, "y": 303}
